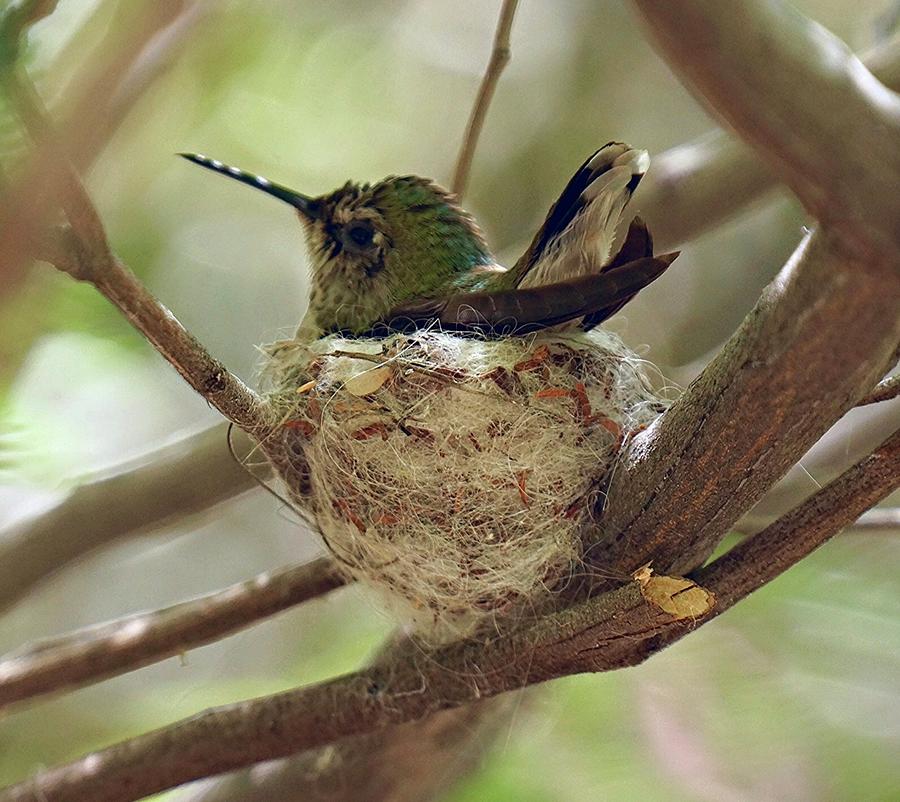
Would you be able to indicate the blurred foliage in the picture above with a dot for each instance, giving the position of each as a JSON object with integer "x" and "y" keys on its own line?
{"x": 791, "y": 695}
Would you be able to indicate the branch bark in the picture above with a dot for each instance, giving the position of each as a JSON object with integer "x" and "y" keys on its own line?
{"x": 88, "y": 257}
{"x": 749, "y": 416}
{"x": 500, "y": 56}
{"x": 836, "y": 141}
{"x": 107, "y": 650}
{"x": 174, "y": 482}
{"x": 620, "y": 628}
{"x": 886, "y": 390}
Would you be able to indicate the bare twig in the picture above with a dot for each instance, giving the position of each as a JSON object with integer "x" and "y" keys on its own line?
{"x": 885, "y": 390}
{"x": 169, "y": 484}
{"x": 612, "y": 631}
{"x": 500, "y": 56}
{"x": 91, "y": 260}
{"x": 129, "y": 643}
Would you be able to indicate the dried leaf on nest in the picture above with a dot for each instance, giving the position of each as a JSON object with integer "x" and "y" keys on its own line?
{"x": 369, "y": 381}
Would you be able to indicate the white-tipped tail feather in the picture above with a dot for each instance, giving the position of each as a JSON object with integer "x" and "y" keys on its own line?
{"x": 578, "y": 234}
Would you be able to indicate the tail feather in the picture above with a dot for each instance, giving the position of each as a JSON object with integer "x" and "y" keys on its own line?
{"x": 578, "y": 233}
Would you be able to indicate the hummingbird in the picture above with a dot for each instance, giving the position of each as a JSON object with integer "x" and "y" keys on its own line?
{"x": 402, "y": 254}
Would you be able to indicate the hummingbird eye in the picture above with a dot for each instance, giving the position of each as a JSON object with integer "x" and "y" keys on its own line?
{"x": 359, "y": 234}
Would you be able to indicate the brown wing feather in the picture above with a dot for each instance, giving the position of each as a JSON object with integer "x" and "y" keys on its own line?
{"x": 519, "y": 311}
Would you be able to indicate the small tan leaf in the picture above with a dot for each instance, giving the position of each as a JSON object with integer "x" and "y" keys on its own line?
{"x": 368, "y": 381}
{"x": 675, "y": 595}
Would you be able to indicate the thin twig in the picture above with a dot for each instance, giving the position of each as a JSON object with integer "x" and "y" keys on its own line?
{"x": 126, "y": 644}
{"x": 92, "y": 260}
{"x": 612, "y": 631}
{"x": 500, "y": 56}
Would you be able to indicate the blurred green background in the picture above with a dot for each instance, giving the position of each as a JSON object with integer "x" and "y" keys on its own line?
{"x": 793, "y": 695}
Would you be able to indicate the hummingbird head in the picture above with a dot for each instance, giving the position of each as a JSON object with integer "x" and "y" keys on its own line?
{"x": 376, "y": 246}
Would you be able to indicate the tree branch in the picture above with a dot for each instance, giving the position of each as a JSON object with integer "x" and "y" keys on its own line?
{"x": 126, "y": 644}
{"x": 759, "y": 559}
{"x": 749, "y": 416}
{"x": 88, "y": 123}
{"x": 500, "y": 56}
{"x": 171, "y": 483}
{"x": 617, "y": 629}
{"x": 90, "y": 259}
{"x": 739, "y": 427}
{"x": 834, "y": 141}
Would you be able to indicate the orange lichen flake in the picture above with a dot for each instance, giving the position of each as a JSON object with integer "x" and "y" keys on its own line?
{"x": 299, "y": 425}
{"x": 610, "y": 425}
{"x": 582, "y": 403}
{"x": 553, "y": 392}
{"x": 540, "y": 355}
{"x": 343, "y": 506}
{"x": 370, "y": 431}
{"x": 521, "y": 477}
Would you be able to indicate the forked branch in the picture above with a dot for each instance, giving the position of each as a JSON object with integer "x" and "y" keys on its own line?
{"x": 84, "y": 252}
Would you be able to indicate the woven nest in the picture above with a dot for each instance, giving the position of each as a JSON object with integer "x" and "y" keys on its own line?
{"x": 457, "y": 475}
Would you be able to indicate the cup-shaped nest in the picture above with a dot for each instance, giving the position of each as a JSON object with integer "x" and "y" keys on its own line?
{"x": 457, "y": 475}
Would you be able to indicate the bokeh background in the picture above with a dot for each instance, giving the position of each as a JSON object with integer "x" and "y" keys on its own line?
{"x": 792, "y": 695}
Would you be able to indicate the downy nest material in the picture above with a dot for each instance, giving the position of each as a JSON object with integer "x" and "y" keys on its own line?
{"x": 453, "y": 474}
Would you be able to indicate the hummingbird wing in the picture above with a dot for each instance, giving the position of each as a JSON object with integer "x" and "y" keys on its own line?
{"x": 522, "y": 310}
{"x": 578, "y": 234}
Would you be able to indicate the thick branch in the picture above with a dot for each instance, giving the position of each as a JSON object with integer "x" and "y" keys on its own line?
{"x": 761, "y": 558}
{"x": 802, "y": 99}
{"x": 615, "y": 630}
{"x": 113, "y": 648}
{"x": 500, "y": 56}
{"x": 792, "y": 369}
{"x": 169, "y": 484}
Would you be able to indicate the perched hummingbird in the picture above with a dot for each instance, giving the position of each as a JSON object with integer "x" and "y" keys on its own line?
{"x": 402, "y": 254}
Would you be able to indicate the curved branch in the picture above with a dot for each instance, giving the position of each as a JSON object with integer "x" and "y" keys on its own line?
{"x": 126, "y": 644}
{"x": 88, "y": 257}
{"x": 618, "y": 629}
{"x": 797, "y": 94}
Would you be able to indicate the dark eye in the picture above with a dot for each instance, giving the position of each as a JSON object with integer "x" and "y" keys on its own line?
{"x": 359, "y": 234}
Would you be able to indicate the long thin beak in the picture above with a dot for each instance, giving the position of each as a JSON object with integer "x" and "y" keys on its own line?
{"x": 304, "y": 203}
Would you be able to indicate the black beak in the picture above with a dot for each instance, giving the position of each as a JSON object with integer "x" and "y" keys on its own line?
{"x": 308, "y": 206}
